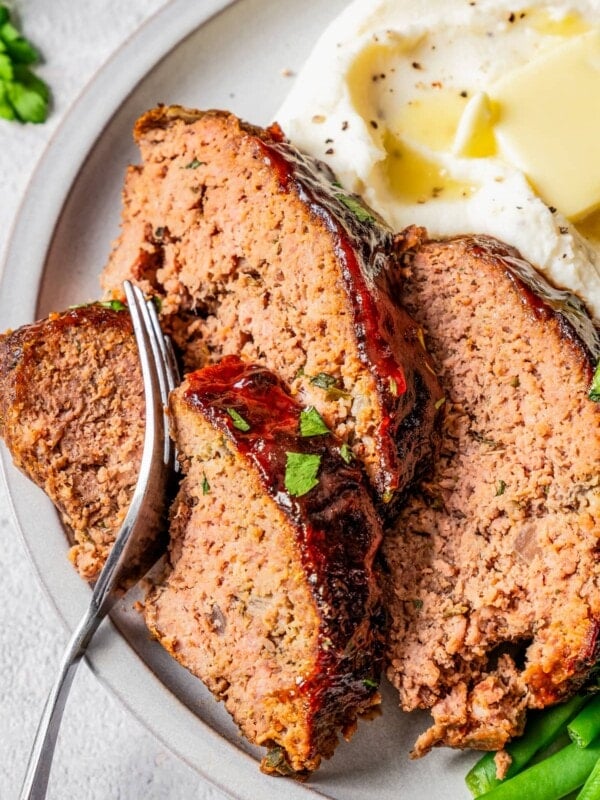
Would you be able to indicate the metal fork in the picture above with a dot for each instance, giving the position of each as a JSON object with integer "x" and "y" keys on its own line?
{"x": 134, "y": 549}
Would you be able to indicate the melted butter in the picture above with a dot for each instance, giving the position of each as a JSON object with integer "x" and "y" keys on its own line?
{"x": 542, "y": 21}
{"x": 431, "y": 118}
{"x": 475, "y": 137}
{"x": 414, "y": 178}
{"x": 589, "y": 228}
{"x": 549, "y": 123}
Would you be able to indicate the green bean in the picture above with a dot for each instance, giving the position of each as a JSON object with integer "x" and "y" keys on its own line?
{"x": 542, "y": 728}
{"x": 591, "y": 788}
{"x": 586, "y": 725}
{"x": 552, "y": 778}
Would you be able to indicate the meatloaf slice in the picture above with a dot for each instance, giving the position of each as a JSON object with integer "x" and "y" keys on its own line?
{"x": 270, "y": 596}
{"x": 494, "y": 575}
{"x": 255, "y": 250}
{"x": 72, "y": 417}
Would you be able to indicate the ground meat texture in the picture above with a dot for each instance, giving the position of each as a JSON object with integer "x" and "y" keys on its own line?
{"x": 72, "y": 417}
{"x": 254, "y": 250}
{"x": 493, "y": 584}
{"x": 269, "y": 598}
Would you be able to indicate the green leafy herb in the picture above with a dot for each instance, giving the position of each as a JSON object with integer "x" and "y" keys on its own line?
{"x": 594, "y": 393}
{"x": 393, "y": 387}
{"x": 23, "y": 96}
{"x": 323, "y": 380}
{"x": 205, "y": 484}
{"x": 238, "y": 421}
{"x": 301, "y": 471}
{"x": 328, "y": 382}
{"x": 361, "y": 213}
{"x": 439, "y": 403}
{"x": 417, "y": 604}
{"x": 500, "y": 487}
{"x": 346, "y": 453}
{"x": 370, "y": 683}
{"x": 276, "y": 761}
{"x": 114, "y": 305}
{"x": 388, "y": 496}
{"x": 312, "y": 423}
{"x": 194, "y": 164}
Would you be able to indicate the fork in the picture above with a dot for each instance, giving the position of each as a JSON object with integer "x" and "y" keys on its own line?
{"x": 134, "y": 549}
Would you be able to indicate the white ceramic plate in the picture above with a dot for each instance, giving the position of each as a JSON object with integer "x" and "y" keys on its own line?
{"x": 212, "y": 53}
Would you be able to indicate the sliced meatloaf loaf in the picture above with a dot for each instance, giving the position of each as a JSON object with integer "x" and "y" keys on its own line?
{"x": 494, "y": 572}
{"x": 270, "y": 595}
{"x": 72, "y": 417}
{"x": 255, "y": 250}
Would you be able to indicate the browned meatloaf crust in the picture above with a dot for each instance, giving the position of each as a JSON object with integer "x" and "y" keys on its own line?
{"x": 72, "y": 417}
{"x": 255, "y": 251}
{"x": 493, "y": 565}
{"x": 270, "y": 598}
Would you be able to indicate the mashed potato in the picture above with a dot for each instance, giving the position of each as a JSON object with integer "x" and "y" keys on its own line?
{"x": 398, "y": 97}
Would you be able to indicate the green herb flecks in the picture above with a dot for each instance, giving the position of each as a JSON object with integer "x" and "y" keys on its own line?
{"x": 354, "y": 205}
{"x": 328, "y": 383}
{"x": 276, "y": 761}
{"x": 114, "y": 305}
{"x": 393, "y": 384}
{"x": 194, "y": 164}
{"x": 594, "y": 392}
{"x": 205, "y": 484}
{"x": 417, "y": 604}
{"x": 439, "y": 403}
{"x": 346, "y": 453}
{"x": 238, "y": 421}
{"x": 370, "y": 683}
{"x": 23, "y": 96}
{"x": 500, "y": 487}
{"x": 312, "y": 423}
{"x": 301, "y": 470}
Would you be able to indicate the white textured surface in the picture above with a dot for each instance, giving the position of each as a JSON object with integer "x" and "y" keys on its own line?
{"x": 103, "y": 753}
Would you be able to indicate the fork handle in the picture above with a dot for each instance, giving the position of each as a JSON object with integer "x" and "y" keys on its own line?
{"x": 35, "y": 783}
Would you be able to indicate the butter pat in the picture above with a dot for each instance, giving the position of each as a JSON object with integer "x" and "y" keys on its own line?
{"x": 548, "y": 124}
{"x": 475, "y": 132}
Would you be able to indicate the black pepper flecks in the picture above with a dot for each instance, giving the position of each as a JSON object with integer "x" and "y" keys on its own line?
{"x": 345, "y": 125}
{"x": 563, "y": 229}
{"x": 373, "y": 123}
{"x": 416, "y": 65}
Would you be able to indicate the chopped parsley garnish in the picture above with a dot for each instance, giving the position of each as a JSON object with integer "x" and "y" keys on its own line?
{"x": 301, "y": 471}
{"x": 238, "y": 421}
{"x": 23, "y": 96}
{"x": 323, "y": 380}
{"x": 393, "y": 387}
{"x": 500, "y": 487}
{"x": 346, "y": 453}
{"x": 205, "y": 485}
{"x": 370, "y": 683}
{"x": 361, "y": 213}
{"x": 114, "y": 305}
{"x": 594, "y": 392}
{"x": 329, "y": 383}
{"x": 312, "y": 423}
{"x": 439, "y": 403}
{"x": 417, "y": 604}
{"x": 194, "y": 164}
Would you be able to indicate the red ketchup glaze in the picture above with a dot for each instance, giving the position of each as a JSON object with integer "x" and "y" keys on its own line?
{"x": 337, "y": 530}
{"x": 362, "y": 248}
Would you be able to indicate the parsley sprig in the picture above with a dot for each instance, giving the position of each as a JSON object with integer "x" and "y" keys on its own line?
{"x": 23, "y": 96}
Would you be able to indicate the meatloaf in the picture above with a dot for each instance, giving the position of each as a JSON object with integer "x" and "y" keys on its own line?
{"x": 494, "y": 575}
{"x": 270, "y": 594}
{"x": 72, "y": 417}
{"x": 254, "y": 250}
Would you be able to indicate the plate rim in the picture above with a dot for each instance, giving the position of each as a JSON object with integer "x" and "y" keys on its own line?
{"x": 110, "y": 653}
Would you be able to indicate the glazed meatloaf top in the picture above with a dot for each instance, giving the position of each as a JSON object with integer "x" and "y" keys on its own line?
{"x": 493, "y": 584}
{"x": 72, "y": 417}
{"x": 254, "y": 249}
{"x": 270, "y": 595}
